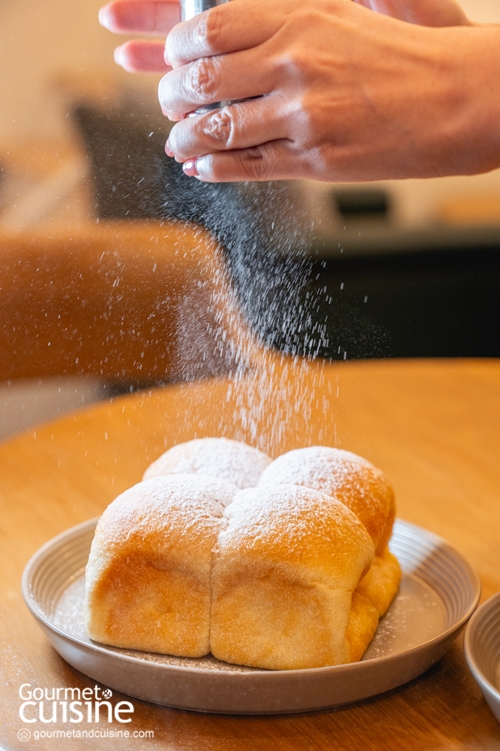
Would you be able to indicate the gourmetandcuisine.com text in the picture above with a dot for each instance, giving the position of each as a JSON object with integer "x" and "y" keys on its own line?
{"x": 93, "y": 733}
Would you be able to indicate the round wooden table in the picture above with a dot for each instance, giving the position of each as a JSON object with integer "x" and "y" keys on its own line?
{"x": 432, "y": 426}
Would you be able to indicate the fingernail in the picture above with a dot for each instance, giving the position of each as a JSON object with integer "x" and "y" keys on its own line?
{"x": 119, "y": 56}
{"x": 168, "y": 150}
{"x": 203, "y": 168}
{"x": 104, "y": 18}
{"x": 190, "y": 168}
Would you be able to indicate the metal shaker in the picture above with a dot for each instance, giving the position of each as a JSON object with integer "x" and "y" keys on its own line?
{"x": 189, "y": 9}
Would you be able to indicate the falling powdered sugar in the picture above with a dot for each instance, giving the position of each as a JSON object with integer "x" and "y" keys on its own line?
{"x": 257, "y": 314}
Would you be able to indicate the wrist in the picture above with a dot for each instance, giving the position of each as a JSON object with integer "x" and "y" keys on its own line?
{"x": 472, "y": 133}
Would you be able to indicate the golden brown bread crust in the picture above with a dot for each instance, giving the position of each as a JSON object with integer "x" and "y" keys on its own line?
{"x": 365, "y": 490}
{"x": 363, "y": 622}
{"x": 149, "y": 570}
{"x": 381, "y": 582}
{"x": 229, "y": 460}
{"x": 346, "y": 476}
{"x": 370, "y": 601}
{"x": 285, "y": 569}
{"x": 284, "y": 577}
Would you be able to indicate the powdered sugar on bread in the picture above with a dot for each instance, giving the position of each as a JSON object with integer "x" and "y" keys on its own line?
{"x": 284, "y": 575}
{"x": 229, "y": 460}
{"x": 348, "y": 477}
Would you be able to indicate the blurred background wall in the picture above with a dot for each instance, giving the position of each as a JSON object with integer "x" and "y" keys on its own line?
{"x": 38, "y": 42}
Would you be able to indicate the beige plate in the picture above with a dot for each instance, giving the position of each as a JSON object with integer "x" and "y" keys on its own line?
{"x": 482, "y": 651}
{"x": 438, "y": 594}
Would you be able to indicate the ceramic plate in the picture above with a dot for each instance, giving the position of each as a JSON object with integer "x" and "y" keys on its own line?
{"x": 438, "y": 594}
{"x": 482, "y": 651}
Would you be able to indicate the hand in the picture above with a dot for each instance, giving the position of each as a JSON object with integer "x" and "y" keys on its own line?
{"x": 375, "y": 99}
{"x": 333, "y": 92}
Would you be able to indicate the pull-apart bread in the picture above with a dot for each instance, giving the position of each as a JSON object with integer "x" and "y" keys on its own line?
{"x": 291, "y": 574}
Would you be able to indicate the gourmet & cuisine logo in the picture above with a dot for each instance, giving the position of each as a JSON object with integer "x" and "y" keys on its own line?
{"x": 73, "y": 705}
{"x": 75, "y": 709}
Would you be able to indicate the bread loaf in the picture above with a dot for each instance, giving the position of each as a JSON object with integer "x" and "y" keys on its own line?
{"x": 349, "y": 477}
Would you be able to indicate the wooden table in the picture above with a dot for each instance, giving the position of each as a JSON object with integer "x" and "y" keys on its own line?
{"x": 432, "y": 426}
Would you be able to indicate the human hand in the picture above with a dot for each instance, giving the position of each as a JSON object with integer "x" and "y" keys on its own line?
{"x": 332, "y": 92}
{"x": 402, "y": 105}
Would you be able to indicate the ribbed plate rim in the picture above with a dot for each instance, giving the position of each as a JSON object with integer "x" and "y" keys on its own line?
{"x": 469, "y": 650}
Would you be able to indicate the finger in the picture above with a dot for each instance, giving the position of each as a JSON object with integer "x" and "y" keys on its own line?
{"x": 271, "y": 161}
{"x": 234, "y": 127}
{"x": 225, "y": 28}
{"x": 140, "y": 16}
{"x": 141, "y": 56}
{"x": 213, "y": 79}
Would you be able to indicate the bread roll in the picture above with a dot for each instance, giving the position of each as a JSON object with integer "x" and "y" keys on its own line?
{"x": 285, "y": 570}
{"x": 364, "y": 489}
{"x": 350, "y": 478}
{"x": 229, "y": 460}
{"x": 148, "y": 578}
